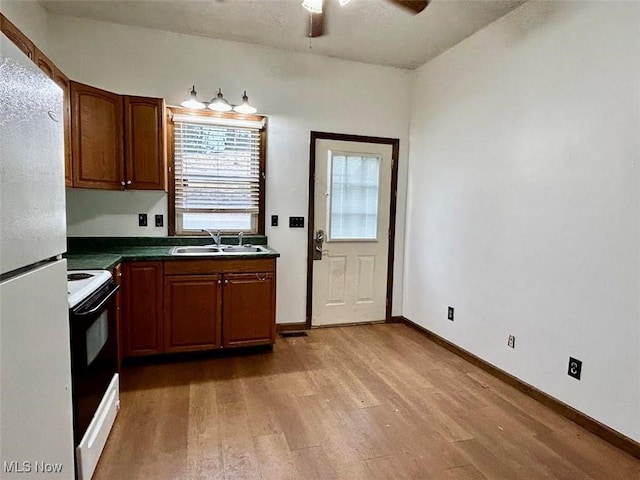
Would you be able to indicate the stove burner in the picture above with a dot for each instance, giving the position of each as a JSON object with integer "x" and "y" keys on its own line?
{"x": 72, "y": 277}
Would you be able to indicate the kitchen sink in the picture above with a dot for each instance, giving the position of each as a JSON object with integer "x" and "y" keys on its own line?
{"x": 222, "y": 250}
{"x": 231, "y": 249}
{"x": 196, "y": 250}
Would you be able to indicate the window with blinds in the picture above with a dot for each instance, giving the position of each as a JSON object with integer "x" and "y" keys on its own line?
{"x": 218, "y": 171}
{"x": 353, "y": 201}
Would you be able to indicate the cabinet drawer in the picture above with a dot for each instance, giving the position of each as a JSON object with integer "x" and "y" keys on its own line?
{"x": 188, "y": 267}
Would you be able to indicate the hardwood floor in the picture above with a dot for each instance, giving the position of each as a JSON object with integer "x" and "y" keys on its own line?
{"x": 364, "y": 402}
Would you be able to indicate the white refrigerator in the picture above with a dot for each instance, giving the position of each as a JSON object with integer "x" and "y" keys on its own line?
{"x": 36, "y": 431}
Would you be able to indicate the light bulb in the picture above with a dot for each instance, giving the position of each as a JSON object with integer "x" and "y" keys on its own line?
{"x": 192, "y": 101}
{"x": 219, "y": 104}
{"x": 313, "y": 6}
{"x": 245, "y": 107}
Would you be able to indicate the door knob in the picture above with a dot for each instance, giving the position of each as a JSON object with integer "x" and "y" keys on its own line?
{"x": 317, "y": 245}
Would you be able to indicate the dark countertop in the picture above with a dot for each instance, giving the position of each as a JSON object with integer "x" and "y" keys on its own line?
{"x": 104, "y": 257}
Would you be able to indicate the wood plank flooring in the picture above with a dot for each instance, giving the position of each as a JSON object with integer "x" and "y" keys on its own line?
{"x": 362, "y": 402}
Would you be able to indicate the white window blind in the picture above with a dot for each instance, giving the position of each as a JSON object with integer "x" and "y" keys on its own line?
{"x": 353, "y": 198}
{"x": 217, "y": 177}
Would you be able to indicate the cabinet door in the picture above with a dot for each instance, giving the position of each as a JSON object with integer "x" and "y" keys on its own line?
{"x": 64, "y": 83}
{"x": 44, "y": 64}
{"x": 145, "y": 152}
{"x": 142, "y": 315}
{"x": 96, "y": 134}
{"x": 193, "y": 306}
{"x": 248, "y": 317}
{"x": 17, "y": 37}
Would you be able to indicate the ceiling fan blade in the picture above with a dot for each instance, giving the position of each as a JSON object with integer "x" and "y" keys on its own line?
{"x": 316, "y": 25}
{"x": 416, "y": 6}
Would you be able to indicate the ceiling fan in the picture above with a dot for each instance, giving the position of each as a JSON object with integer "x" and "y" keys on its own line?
{"x": 316, "y": 15}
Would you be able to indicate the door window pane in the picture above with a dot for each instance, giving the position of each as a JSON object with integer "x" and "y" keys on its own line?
{"x": 353, "y": 196}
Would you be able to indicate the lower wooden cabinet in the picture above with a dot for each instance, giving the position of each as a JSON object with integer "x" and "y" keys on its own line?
{"x": 143, "y": 312}
{"x": 193, "y": 305}
{"x": 248, "y": 309}
{"x": 185, "y": 306}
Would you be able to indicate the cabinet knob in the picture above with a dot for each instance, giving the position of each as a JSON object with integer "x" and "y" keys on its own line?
{"x": 226, "y": 281}
{"x": 219, "y": 282}
{"x": 128, "y": 182}
{"x": 122, "y": 183}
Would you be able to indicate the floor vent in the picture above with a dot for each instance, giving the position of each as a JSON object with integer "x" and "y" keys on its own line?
{"x": 294, "y": 333}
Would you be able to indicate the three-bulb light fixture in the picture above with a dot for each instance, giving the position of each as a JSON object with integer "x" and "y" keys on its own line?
{"x": 315, "y": 6}
{"x": 218, "y": 103}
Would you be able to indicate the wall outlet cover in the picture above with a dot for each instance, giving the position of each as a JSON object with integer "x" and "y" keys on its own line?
{"x": 450, "y": 313}
{"x": 512, "y": 341}
{"x": 274, "y": 220}
{"x": 159, "y": 220}
{"x": 575, "y": 368}
{"x": 142, "y": 219}
{"x": 296, "y": 222}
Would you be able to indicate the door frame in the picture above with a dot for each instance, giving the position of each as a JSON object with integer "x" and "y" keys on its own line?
{"x": 395, "y": 144}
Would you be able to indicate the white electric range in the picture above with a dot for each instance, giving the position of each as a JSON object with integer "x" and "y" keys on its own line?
{"x": 81, "y": 284}
{"x": 94, "y": 363}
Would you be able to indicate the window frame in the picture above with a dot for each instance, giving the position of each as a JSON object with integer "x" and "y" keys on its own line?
{"x": 330, "y": 187}
{"x": 171, "y": 110}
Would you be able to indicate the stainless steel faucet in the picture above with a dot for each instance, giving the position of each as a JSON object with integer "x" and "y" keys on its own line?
{"x": 215, "y": 237}
{"x": 240, "y": 235}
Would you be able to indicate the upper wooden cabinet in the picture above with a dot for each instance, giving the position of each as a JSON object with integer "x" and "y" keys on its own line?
{"x": 44, "y": 64}
{"x": 17, "y": 37}
{"x": 145, "y": 151}
{"x": 97, "y": 138}
{"x": 118, "y": 141}
{"x": 64, "y": 83}
{"x": 111, "y": 142}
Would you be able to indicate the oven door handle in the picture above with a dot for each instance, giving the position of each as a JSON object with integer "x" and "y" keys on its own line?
{"x": 113, "y": 289}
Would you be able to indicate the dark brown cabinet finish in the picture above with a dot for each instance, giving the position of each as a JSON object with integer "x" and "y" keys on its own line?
{"x": 44, "y": 64}
{"x": 14, "y": 34}
{"x": 192, "y": 312}
{"x": 64, "y": 83}
{"x": 143, "y": 312}
{"x": 97, "y": 140}
{"x": 118, "y": 142}
{"x": 248, "y": 309}
{"x": 145, "y": 156}
{"x": 194, "y": 305}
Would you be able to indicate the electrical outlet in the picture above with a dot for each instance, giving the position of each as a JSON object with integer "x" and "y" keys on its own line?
{"x": 274, "y": 220}
{"x": 159, "y": 220}
{"x": 450, "y": 313}
{"x": 296, "y": 222}
{"x": 575, "y": 368}
{"x": 512, "y": 341}
{"x": 142, "y": 219}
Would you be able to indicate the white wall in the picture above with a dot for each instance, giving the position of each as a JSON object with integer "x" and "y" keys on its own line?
{"x": 107, "y": 213}
{"x": 298, "y": 92}
{"x": 31, "y": 18}
{"x": 524, "y": 201}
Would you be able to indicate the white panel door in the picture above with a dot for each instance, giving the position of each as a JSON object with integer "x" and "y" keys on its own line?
{"x": 36, "y": 421}
{"x": 351, "y": 214}
{"x": 32, "y": 195}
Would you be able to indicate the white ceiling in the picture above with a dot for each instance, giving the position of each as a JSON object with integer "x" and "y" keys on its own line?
{"x": 371, "y": 31}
